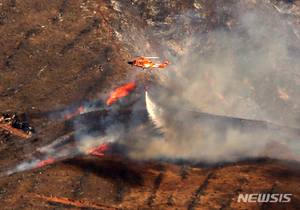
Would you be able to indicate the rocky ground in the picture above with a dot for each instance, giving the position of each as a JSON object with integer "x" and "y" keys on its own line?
{"x": 56, "y": 55}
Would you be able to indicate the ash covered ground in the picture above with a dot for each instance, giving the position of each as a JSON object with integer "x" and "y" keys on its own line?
{"x": 221, "y": 119}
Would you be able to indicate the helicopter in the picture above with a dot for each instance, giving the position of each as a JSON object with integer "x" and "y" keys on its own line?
{"x": 144, "y": 63}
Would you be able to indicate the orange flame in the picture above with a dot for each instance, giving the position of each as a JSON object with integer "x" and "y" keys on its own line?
{"x": 121, "y": 92}
{"x": 100, "y": 150}
{"x": 44, "y": 162}
{"x": 75, "y": 113}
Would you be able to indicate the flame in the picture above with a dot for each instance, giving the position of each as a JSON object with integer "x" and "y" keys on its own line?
{"x": 100, "y": 150}
{"x": 44, "y": 162}
{"x": 121, "y": 92}
{"x": 75, "y": 113}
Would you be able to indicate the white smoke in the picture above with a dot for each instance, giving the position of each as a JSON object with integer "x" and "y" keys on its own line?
{"x": 246, "y": 72}
{"x": 208, "y": 138}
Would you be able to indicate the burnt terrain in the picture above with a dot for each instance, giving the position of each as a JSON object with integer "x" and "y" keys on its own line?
{"x": 58, "y": 55}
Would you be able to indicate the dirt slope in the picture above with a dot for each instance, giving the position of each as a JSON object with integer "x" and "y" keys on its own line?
{"x": 58, "y": 54}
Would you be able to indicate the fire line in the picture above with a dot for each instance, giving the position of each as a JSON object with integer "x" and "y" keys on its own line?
{"x": 121, "y": 92}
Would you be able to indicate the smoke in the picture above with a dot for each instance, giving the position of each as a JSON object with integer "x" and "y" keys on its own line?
{"x": 49, "y": 156}
{"x": 111, "y": 131}
{"x": 89, "y": 133}
{"x": 209, "y": 138}
{"x": 248, "y": 67}
{"x": 248, "y": 70}
{"x": 85, "y": 139}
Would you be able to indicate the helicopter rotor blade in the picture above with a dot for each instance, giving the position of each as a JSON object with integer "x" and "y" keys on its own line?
{"x": 143, "y": 56}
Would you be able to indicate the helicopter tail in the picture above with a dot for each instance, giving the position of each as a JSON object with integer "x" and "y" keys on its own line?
{"x": 163, "y": 65}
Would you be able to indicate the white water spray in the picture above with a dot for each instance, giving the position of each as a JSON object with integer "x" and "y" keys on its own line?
{"x": 154, "y": 111}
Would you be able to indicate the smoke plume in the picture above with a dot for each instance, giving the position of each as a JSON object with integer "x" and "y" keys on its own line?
{"x": 245, "y": 71}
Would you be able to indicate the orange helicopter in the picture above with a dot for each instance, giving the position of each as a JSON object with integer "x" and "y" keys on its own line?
{"x": 144, "y": 63}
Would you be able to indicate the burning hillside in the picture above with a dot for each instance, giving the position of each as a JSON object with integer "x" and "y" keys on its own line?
{"x": 121, "y": 92}
{"x": 221, "y": 119}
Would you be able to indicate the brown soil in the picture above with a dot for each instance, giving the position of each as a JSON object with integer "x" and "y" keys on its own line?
{"x": 55, "y": 55}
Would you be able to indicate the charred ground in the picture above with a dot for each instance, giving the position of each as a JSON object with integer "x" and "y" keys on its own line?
{"x": 59, "y": 54}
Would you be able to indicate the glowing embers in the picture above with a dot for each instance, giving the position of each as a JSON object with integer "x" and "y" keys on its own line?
{"x": 45, "y": 162}
{"x": 75, "y": 113}
{"x": 49, "y": 161}
{"x": 121, "y": 92}
{"x": 101, "y": 149}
